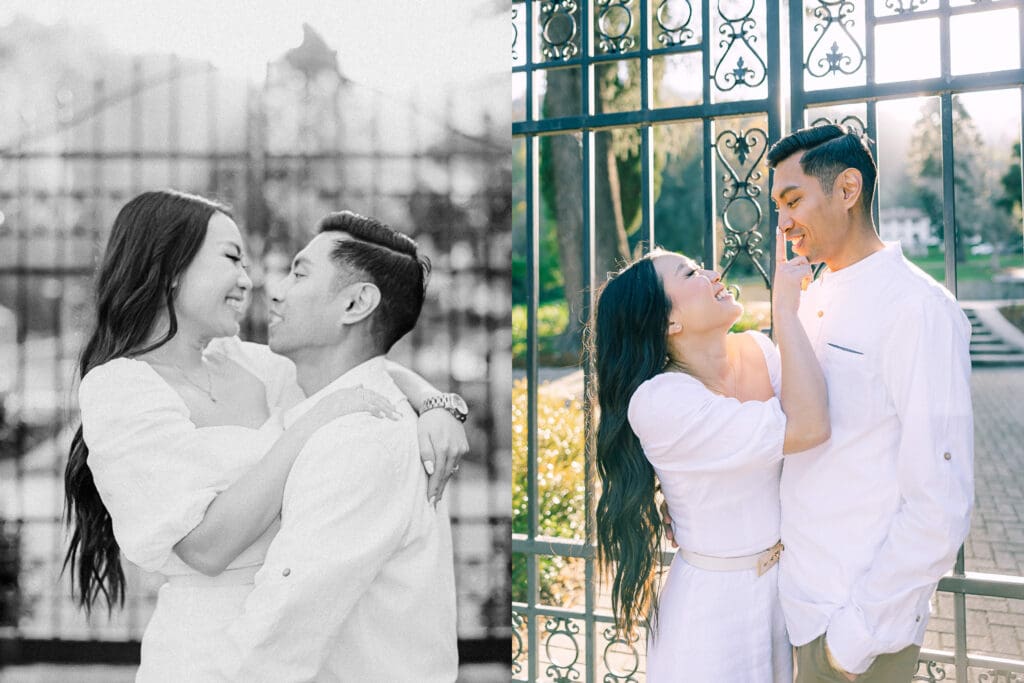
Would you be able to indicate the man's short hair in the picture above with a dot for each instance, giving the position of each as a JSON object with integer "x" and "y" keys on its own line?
{"x": 828, "y": 151}
{"x": 388, "y": 259}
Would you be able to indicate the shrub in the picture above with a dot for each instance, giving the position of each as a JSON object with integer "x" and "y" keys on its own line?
{"x": 560, "y": 488}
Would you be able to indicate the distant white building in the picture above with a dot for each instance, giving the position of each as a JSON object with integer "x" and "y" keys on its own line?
{"x": 910, "y": 227}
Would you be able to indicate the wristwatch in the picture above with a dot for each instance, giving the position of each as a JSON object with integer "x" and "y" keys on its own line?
{"x": 453, "y": 403}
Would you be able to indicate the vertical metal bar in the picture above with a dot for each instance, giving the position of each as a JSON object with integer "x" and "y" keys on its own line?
{"x": 174, "y": 123}
{"x": 710, "y": 244}
{"x": 528, "y": 9}
{"x": 775, "y": 114}
{"x": 375, "y": 158}
{"x": 135, "y": 127}
{"x": 213, "y": 135}
{"x": 796, "y": 64}
{"x": 589, "y": 239}
{"x": 951, "y": 238}
{"x": 532, "y": 299}
{"x": 589, "y": 464}
{"x": 647, "y": 141}
{"x": 710, "y": 211}
{"x": 1020, "y": 130}
{"x": 98, "y": 143}
{"x": 872, "y": 133}
{"x": 960, "y": 622}
{"x": 21, "y": 322}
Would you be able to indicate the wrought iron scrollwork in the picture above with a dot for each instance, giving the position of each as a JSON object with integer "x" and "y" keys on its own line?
{"x": 933, "y": 672}
{"x": 741, "y": 188}
{"x": 739, "y": 38}
{"x": 568, "y": 630}
{"x": 677, "y": 31}
{"x": 824, "y": 59}
{"x": 850, "y": 121}
{"x": 1000, "y": 676}
{"x": 518, "y": 648}
{"x": 900, "y": 8}
{"x": 559, "y": 29}
{"x": 515, "y": 33}
{"x": 613, "y": 637}
{"x": 614, "y": 23}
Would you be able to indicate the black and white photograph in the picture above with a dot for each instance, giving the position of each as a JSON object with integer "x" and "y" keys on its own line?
{"x": 255, "y": 341}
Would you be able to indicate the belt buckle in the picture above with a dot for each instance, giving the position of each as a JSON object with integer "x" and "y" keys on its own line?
{"x": 769, "y": 558}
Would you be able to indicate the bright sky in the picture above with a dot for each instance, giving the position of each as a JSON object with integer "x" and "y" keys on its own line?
{"x": 412, "y": 43}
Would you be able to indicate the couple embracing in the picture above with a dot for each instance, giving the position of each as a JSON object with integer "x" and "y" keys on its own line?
{"x": 279, "y": 490}
{"x": 817, "y": 487}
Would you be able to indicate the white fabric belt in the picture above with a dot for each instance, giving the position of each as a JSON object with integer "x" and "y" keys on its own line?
{"x": 229, "y": 577}
{"x": 762, "y": 561}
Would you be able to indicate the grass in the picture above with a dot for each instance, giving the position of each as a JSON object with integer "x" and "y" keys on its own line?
{"x": 974, "y": 267}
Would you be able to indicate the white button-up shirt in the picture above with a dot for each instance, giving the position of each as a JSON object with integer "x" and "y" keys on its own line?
{"x": 358, "y": 584}
{"x": 872, "y": 518}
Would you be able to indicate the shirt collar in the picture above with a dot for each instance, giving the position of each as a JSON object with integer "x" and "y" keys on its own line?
{"x": 865, "y": 267}
{"x": 367, "y": 373}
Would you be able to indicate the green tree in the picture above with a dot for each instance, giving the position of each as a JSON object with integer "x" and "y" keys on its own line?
{"x": 976, "y": 181}
{"x": 616, "y": 209}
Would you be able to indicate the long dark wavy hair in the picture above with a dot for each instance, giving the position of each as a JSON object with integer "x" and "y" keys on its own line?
{"x": 154, "y": 238}
{"x": 629, "y": 337}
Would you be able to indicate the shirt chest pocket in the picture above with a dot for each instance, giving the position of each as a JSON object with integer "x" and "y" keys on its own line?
{"x": 856, "y": 393}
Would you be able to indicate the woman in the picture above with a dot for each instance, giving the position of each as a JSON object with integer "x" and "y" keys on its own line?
{"x": 684, "y": 401}
{"x": 180, "y": 463}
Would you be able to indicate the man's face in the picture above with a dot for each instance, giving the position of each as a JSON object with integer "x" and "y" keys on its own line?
{"x": 810, "y": 218}
{"x": 308, "y": 306}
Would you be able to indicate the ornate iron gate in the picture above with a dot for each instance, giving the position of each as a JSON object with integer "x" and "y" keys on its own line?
{"x": 308, "y": 141}
{"x": 589, "y": 80}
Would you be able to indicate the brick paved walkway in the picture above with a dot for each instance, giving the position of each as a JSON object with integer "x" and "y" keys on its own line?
{"x": 996, "y": 542}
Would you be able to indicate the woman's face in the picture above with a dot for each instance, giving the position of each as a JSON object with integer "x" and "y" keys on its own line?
{"x": 700, "y": 302}
{"x": 213, "y": 291}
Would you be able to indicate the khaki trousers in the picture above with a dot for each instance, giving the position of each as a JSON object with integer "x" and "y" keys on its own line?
{"x": 895, "y": 667}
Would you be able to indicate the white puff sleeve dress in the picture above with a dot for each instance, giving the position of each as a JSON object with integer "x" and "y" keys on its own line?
{"x": 719, "y": 461}
{"x": 157, "y": 473}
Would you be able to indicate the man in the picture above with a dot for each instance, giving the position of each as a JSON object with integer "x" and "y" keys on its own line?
{"x": 872, "y": 518}
{"x": 358, "y": 584}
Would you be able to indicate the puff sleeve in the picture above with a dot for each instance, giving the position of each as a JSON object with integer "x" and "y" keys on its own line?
{"x": 150, "y": 465}
{"x": 682, "y": 426}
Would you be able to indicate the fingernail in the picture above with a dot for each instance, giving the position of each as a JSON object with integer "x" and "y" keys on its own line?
{"x": 429, "y": 467}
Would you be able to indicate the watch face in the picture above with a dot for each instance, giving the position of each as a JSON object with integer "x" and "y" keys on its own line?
{"x": 459, "y": 404}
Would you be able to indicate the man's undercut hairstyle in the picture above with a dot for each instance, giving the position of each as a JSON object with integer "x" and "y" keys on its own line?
{"x": 388, "y": 259}
{"x": 828, "y": 151}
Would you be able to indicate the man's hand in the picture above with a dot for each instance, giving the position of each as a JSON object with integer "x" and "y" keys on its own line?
{"x": 442, "y": 445}
{"x": 666, "y": 519}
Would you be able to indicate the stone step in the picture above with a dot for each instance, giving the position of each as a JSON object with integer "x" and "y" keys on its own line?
{"x": 997, "y": 360}
{"x": 1001, "y": 349}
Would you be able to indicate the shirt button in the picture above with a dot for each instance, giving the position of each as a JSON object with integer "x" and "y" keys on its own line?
{"x": 286, "y": 571}
{"x": 917, "y": 618}
{"x": 821, "y": 313}
{"x": 947, "y": 456}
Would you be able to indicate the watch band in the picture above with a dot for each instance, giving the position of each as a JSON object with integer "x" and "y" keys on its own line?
{"x": 452, "y": 403}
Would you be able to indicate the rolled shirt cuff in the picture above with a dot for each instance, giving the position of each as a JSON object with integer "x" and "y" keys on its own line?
{"x": 850, "y": 643}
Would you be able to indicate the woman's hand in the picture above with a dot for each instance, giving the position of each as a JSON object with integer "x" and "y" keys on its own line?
{"x": 791, "y": 277}
{"x": 350, "y": 400}
{"x": 442, "y": 445}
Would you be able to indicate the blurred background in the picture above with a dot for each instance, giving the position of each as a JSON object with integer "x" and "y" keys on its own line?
{"x": 285, "y": 113}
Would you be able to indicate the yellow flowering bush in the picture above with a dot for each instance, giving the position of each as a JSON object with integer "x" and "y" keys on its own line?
{"x": 560, "y": 489}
